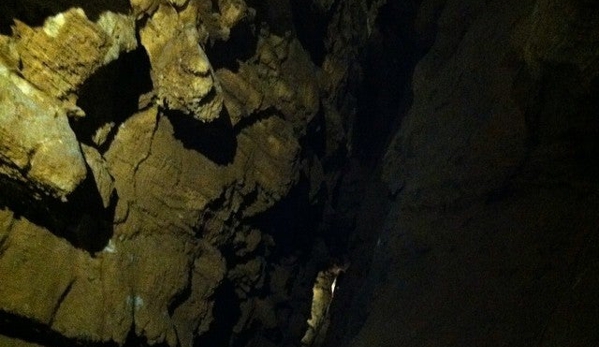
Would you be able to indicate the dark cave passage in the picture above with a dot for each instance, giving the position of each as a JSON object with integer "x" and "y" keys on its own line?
{"x": 226, "y": 314}
{"x": 388, "y": 61}
{"x": 311, "y": 24}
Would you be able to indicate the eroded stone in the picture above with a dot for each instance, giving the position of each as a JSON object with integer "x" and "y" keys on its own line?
{"x": 37, "y": 146}
{"x": 181, "y": 72}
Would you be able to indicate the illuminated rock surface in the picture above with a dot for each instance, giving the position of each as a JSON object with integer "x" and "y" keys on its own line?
{"x": 181, "y": 173}
{"x": 37, "y": 146}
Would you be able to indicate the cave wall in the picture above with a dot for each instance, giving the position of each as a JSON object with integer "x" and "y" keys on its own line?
{"x": 483, "y": 229}
{"x": 164, "y": 166}
{"x": 176, "y": 173}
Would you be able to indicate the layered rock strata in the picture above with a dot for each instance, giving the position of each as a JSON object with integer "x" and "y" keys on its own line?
{"x": 140, "y": 164}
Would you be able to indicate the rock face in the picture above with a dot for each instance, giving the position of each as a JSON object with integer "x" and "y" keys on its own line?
{"x": 178, "y": 173}
{"x": 144, "y": 150}
{"x": 181, "y": 73}
{"x": 37, "y": 146}
{"x": 490, "y": 186}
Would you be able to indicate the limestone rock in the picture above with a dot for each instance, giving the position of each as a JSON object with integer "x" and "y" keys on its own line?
{"x": 30, "y": 255}
{"x": 181, "y": 72}
{"x": 99, "y": 170}
{"x": 7, "y": 341}
{"x": 178, "y": 3}
{"x": 60, "y": 56}
{"x": 190, "y": 185}
{"x": 37, "y": 146}
{"x": 231, "y": 12}
{"x": 144, "y": 7}
{"x": 240, "y": 97}
{"x": 265, "y": 161}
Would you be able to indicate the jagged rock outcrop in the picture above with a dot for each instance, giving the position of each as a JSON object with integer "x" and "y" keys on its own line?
{"x": 41, "y": 69}
{"x": 182, "y": 76}
{"x": 37, "y": 146}
{"x": 143, "y": 148}
{"x": 177, "y": 173}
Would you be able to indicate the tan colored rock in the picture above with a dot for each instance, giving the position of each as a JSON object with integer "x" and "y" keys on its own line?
{"x": 273, "y": 167}
{"x": 37, "y": 146}
{"x": 231, "y": 12}
{"x": 178, "y": 3}
{"x": 120, "y": 29}
{"x": 13, "y": 342}
{"x": 170, "y": 274}
{"x": 144, "y": 7}
{"x": 182, "y": 75}
{"x": 61, "y": 55}
{"x": 99, "y": 170}
{"x": 96, "y": 307}
{"x": 177, "y": 206}
{"x": 240, "y": 97}
{"x": 135, "y": 135}
{"x": 247, "y": 276}
{"x": 194, "y": 316}
{"x": 35, "y": 269}
{"x": 156, "y": 191}
{"x": 247, "y": 242}
{"x": 9, "y": 57}
{"x": 101, "y": 134}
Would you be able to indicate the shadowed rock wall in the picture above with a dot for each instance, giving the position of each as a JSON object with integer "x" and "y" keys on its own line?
{"x": 491, "y": 187}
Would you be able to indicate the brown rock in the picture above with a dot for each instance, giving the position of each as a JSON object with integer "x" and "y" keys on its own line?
{"x": 181, "y": 72}
{"x": 59, "y": 57}
{"x": 98, "y": 166}
{"x": 37, "y": 146}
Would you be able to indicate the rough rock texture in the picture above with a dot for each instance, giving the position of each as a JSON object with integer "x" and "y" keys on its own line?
{"x": 182, "y": 75}
{"x": 491, "y": 188}
{"x": 162, "y": 172}
{"x": 177, "y": 173}
{"x": 62, "y": 54}
{"x": 37, "y": 146}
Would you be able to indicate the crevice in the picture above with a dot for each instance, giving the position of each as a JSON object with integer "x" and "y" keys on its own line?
{"x": 272, "y": 15}
{"x": 292, "y": 222}
{"x": 311, "y": 24}
{"x": 60, "y": 300}
{"x": 82, "y": 220}
{"x": 255, "y": 118}
{"x": 150, "y": 143}
{"x": 3, "y": 243}
{"x": 182, "y": 296}
{"x": 385, "y": 94}
{"x": 226, "y": 312}
{"x": 133, "y": 340}
{"x": 314, "y": 142}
